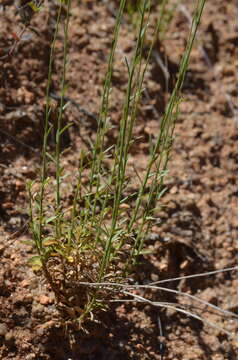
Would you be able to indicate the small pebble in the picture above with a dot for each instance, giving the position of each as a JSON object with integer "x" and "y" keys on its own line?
{"x": 9, "y": 336}
{"x": 3, "y": 329}
{"x": 45, "y": 300}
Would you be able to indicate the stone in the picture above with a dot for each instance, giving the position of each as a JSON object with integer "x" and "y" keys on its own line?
{"x": 3, "y": 329}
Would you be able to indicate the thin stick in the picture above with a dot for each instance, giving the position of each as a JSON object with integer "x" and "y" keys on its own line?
{"x": 149, "y": 286}
{"x": 195, "y": 275}
{"x": 188, "y": 313}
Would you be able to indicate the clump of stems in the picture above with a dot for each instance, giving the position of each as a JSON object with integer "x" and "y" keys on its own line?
{"x": 100, "y": 240}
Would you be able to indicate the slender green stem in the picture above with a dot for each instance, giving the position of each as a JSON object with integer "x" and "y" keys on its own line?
{"x": 167, "y": 120}
{"x": 47, "y": 130}
{"x": 123, "y": 142}
{"x": 102, "y": 122}
{"x": 59, "y": 123}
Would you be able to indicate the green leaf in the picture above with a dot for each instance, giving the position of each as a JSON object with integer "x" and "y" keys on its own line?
{"x": 28, "y": 242}
{"x": 34, "y": 6}
{"x": 35, "y": 262}
{"x": 66, "y": 105}
{"x": 49, "y": 241}
{"x": 145, "y": 252}
{"x": 161, "y": 193}
{"x": 50, "y": 157}
{"x": 128, "y": 66}
{"x": 65, "y": 128}
{"x": 51, "y": 219}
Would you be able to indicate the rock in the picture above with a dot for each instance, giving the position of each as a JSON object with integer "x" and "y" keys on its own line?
{"x": 209, "y": 295}
{"x": 45, "y": 300}
{"x": 3, "y": 329}
{"x": 37, "y": 310}
{"x": 9, "y": 336}
{"x": 30, "y": 356}
{"x": 2, "y": 249}
{"x": 154, "y": 277}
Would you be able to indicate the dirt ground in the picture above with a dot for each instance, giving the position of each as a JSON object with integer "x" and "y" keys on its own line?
{"x": 199, "y": 221}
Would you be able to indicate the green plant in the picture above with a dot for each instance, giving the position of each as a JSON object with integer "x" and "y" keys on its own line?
{"x": 99, "y": 240}
{"x": 166, "y": 8}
